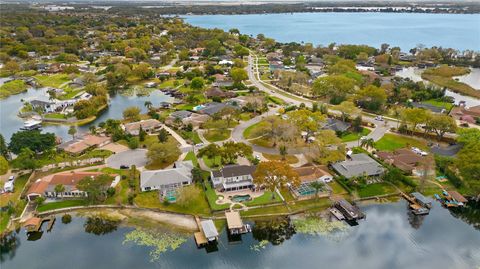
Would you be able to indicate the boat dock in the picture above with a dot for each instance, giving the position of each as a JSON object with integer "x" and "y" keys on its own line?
{"x": 235, "y": 224}
{"x": 418, "y": 203}
{"x": 451, "y": 199}
{"x": 343, "y": 210}
{"x": 51, "y": 221}
{"x": 207, "y": 232}
{"x": 34, "y": 224}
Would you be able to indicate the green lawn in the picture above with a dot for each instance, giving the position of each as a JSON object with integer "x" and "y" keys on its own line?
{"x": 276, "y": 100}
{"x": 215, "y": 162}
{"x": 61, "y": 204}
{"x": 191, "y": 157}
{"x": 347, "y": 137}
{"x": 253, "y": 130}
{"x": 53, "y": 80}
{"x": 151, "y": 200}
{"x": 214, "y": 135}
{"x": 264, "y": 199}
{"x": 337, "y": 188}
{"x": 4, "y": 218}
{"x": 433, "y": 102}
{"x": 55, "y": 116}
{"x": 391, "y": 142}
{"x": 212, "y": 198}
{"x": 289, "y": 158}
{"x": 12, "y": 87}
{"x": 376, "y": 189}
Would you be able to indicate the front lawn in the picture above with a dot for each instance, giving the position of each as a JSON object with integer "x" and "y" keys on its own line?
{"x": 391, "y": 142}
{"x": 349, "y": 136}
{"x": 191, "y": 157}
{"x": 264, "y": 199}
{"x": 445, "y": 105}
{"x": 54, "y": 81}
{"x": 215, "y": 135}
{"x": 61, "y": 204}
{"x": 376, "y": 189}
{"x": 289, "y": 158}
{"x": 252, "y": 131}
{"x": 215, "y": 162}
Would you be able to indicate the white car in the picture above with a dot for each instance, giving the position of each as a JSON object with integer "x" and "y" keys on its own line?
{"x": 257, "y": 157}
{"x": 199, "y": 145}
{"x": 379, "y": 118}
{"x": 423, "y": 153}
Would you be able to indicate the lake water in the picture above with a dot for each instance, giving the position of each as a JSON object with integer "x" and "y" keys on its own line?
{"x": 406, "y": 30}
{"x": 472, "y": 79}
{"x": 388, "y": 238}
{"x": 10, "y": 106}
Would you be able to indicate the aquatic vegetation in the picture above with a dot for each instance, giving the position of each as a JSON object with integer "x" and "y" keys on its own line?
{"x": 318, "y": 226}
{"x": 161, "y": 242}
{"x": 261, "y": 245}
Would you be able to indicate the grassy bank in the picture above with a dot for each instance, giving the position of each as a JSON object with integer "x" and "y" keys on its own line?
{"x": 443, "y": 76}
{"x": 12, "y": 87}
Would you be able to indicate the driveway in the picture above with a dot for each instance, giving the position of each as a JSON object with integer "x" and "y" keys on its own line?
{"x": 137, "y": 157}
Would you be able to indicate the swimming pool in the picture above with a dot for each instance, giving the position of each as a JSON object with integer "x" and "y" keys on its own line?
{"x": 241, "y": 198}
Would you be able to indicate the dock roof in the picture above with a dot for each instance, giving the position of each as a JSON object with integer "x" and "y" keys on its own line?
{"x": 457, "y": 196}
{"x": 233, "y": 220}
{"x": 209, "y": 229}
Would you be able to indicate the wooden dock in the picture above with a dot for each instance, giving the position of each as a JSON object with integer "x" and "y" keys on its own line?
{"x": 51, "y": 221}
{"x": 199, "y": 236}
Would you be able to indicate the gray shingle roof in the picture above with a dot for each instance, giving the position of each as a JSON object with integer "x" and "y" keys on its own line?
{"x": 209, "y": 229}
{"x": 179, "y": 174}
{"x": 234, "y": 171}
{"x": 336, "y": 125}
{"x": 360, "y": 164}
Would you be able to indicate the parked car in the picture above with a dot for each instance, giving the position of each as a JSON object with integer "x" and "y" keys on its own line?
{"x": 199, "y": 145}
{"x": 11, "y": 178}
{"x": 123, "y": 166}
{"x": 379, "y": 118}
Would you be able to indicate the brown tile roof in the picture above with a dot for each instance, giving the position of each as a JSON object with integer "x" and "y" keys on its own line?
{"x": 38, "y": 186}
{"x": 146, "y": 124}
{"x": 34, "y": 221}
{"x": 93, "y": 140}
{"x": 71, "y": 178}
{"x": 403, "y": 159}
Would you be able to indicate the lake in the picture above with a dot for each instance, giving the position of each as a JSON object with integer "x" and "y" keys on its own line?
{"x": 472, "y": 79}
{"x": 406, "y": 30}
{"x": 388, "y": 238}
{"x": 10, "y": 106}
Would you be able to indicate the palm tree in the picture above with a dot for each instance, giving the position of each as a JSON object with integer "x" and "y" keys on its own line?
{"x": 317, "y": 185}
{"x": 59, "y": 189}
{"x": 283, "y": 151}
{"x": 367, "y": 143}
{"x": 93, "y": 129}
{"x": 148, "y": 105}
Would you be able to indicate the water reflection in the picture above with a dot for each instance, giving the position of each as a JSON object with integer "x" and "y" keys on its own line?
{"x": 470, "y": 213}
{"x": 99, "y": 226}
{"x": 8, "y": 246}
{"x": 275, "y": 231}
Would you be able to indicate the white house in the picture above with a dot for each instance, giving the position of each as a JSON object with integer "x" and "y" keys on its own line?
{"x": 233, "y": 178}
{"x": 167, "y": 179}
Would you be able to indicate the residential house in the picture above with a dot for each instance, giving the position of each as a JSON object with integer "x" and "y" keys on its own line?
{"x": 463, "y": 113}
{"x": 223, "y": 83}
{"x": 212, "y": 108}
{"x": 404, "y": 159}
{"x": 358, "y": 165}
{"x": 167, "y": 179}
{"x": 233, "y": 178}
{"x": 218, "y": 93}
{"x": 308, "y": 175}
{"x": 44, "y": 106}
{"x": 45, "y": 187}
{"x": 187, "y": 117}
{"x": 81, "y": 144}
{"x": 149, "y": 126}
{"x": 336, "y": 125}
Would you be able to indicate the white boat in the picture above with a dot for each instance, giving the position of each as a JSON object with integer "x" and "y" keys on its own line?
{"x": 32, "y": 124}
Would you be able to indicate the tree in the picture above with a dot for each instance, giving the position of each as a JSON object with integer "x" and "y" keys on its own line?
{"x": 347, "y": 109}
{"x": 367, "y": 143}
{"x": 327, "y": 148}
{"x": 143, "y": 71}
{"x": 197, "y": 175}
{"x": 136, "y": 53}
{"x": 33, "y": 140}
{"x": 238, "y": 74}
{"x": 66, "y": 219}
{"x": 306, "y": 121}
{"x": 283, "y": 151}
{"x": 162, "y": 135}
{"x": 95, "y": 187}
{"x": 317, "y": 185}
{"x": 197, "y": 84}
{"x": 132, "y": 143}
{"x": 414, "y": 116}
{"x": 357, "y": 124}
{"x": 141, "y": 134}
{"x": 441, "y": 124}
{"x": 72, "y": 131}
{"x": 275, "y": 175}
{"x": 230, "y": 151}
{"x": 59, "y": 188}
{"x": 160, "y": 153}
{"x": 371, "y": 97}
{"x": 3, "y": 147}
{"x": 26, "y": 160}
{"x": 229, "y": 113}
{"x": 148, "y": 105}
{"x": 132, "y": 113}
{"x": 3, "y": 165}
{"x": 210, "y": 151}
{"x": 468, "y": 159}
